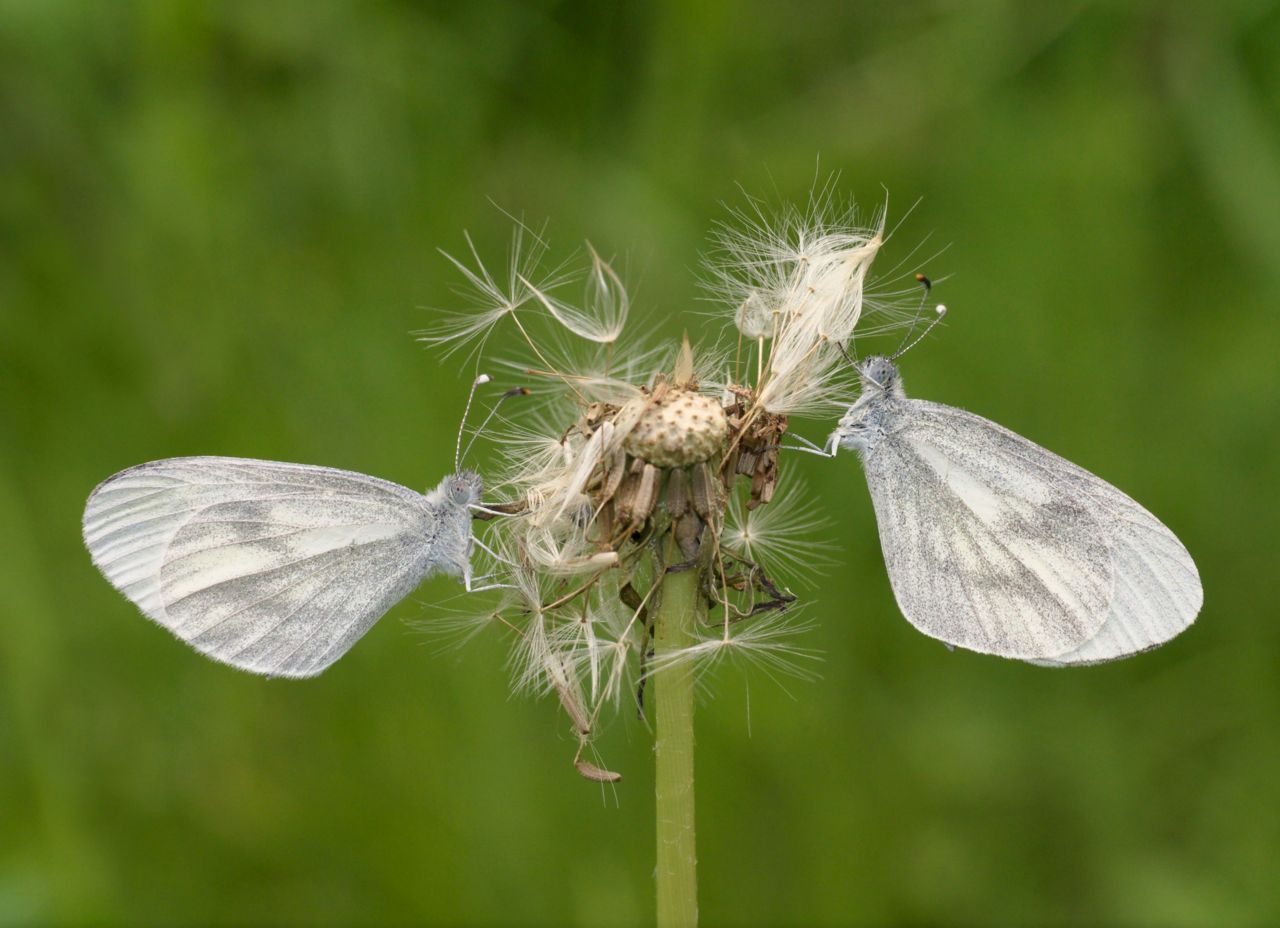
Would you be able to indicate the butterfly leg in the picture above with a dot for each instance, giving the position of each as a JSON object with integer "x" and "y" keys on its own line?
{"x": 507, "y": 509}
{"x": 492, "y": 586}
{"x": 807, "y": 447}
{"x": 493, "y": 554}
{"x": 469, "y": 582}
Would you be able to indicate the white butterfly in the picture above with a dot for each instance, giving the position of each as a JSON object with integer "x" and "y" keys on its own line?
{"x": 275, "y": 568}
{"x": 994, "y": 544}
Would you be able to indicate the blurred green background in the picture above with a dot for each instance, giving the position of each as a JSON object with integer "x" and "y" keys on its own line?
{"x": 218, "y": 225}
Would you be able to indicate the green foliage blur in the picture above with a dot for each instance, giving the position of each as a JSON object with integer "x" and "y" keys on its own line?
{"x": 218, "y": 226}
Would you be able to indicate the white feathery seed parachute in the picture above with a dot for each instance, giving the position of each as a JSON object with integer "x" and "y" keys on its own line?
{"x": 799, "y": 285}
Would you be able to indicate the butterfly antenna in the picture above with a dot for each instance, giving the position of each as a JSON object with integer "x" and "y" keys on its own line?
{"x": 853, "y": 361}
{"x": 457, "y": 448}
{"x": 941, "y": 312}
{"x": 517, "y": 391}
{"x": 927, "y": 286}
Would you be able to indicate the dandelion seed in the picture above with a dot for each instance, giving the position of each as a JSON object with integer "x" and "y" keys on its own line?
{"x": 565, "y": 554}
{"x": 454, "y": 627}
{"x": 593, "y": 772}
{"x": 755, "y": 319}
{"x": 781, "y": 536}
{"x": 766, "y": 643}
{"x": 593, "y": 452}
{"x": 799, "y": 281}
{"x": 492, "y": 301}
{"x": 605, "y": 308}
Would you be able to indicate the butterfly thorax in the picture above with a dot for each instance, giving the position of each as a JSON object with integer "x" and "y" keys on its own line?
{"x": 449, "y": 538}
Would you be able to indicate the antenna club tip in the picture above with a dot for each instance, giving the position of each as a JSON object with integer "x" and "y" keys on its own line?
{"x": 482, "y": 379}
{"x": 941, "y": 310}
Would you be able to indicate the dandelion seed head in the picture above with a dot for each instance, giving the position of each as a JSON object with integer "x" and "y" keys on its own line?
{"x": 680, "y": 429}
{"x": 633, "y": 457}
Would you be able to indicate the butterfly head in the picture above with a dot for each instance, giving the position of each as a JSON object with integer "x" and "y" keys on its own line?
{"x": 879, "y": 374}
{"x": 463, "y": 488}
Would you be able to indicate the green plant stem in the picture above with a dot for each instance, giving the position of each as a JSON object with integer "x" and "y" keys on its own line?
{"x": 677, "y": 870}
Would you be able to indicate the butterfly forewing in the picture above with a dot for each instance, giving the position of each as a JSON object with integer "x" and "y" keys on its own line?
{"x": 1154, "y": 591}
{"x": 984, "y": 549}
{"x": 274, "y": 568}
